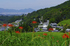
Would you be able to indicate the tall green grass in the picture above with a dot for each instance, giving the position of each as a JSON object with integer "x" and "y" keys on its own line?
{"x": 32, "y": 39}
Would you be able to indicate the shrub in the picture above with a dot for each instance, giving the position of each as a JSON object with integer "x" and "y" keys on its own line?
{"x": 58, "y": 29}
{"x": 48, "y": 27}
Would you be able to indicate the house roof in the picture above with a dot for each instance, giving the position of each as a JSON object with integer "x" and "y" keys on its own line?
{"x": 54, "y": 26}
{"x": 36, "y": 29}
{"x": 45, "y": 25}
{"x": 53, "y": 23}
{"x": 44, "y": 28}
{"x": 60, "y": 27}
{"x": 41, "y": 23}
{"x": 55, "y": 31}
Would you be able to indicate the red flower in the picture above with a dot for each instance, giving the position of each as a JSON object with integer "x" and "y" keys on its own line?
{"x": 69, "y": 33}
{"x": 52, "y": 37}
{"x": 42, "y": 37}
{"x": 57, "y": 41}
{"x": 45, "y": 34}
{"x": 18, "y": 32}
{"x": 4, "y": 25}
{"x": 50, "y": 29}
{"x": 65, "y": 36}
{"x": 20, "y": 27}
{"x": 38, "y": 35}
{"x": 34, "y": 22}
{"x": 33, "y": 31}
{"x": 10, "y": 25}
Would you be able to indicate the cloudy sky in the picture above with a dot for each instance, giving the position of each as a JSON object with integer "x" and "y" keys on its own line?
{"x": 25, "y": 4}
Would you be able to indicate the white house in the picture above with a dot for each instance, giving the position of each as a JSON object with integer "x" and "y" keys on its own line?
{"x": 43, "y": 26}
{"x": 17, "y": 22}
{"x": 67, "y": 30}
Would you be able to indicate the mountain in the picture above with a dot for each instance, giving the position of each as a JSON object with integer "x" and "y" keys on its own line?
{"x": 54, "y": 14}
{"x": 13, "y": 11}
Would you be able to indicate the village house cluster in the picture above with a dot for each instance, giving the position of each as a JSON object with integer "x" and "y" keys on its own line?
{"x": 42, "y": 27}
{"x": 16, "y": 24}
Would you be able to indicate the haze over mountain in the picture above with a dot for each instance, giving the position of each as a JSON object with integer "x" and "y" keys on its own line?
{"x": 13, "y": 11}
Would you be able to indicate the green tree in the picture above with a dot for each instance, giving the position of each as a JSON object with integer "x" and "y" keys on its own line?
{"x": 52, "y": 20}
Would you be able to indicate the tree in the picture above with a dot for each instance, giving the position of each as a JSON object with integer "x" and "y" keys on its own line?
{"x": 52, "y": 20}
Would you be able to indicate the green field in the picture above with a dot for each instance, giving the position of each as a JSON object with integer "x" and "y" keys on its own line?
{"x": 33, "y": 39}
{"x": 64, "y": 22}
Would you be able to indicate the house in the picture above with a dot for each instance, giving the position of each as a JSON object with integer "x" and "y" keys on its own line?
{"x": 2, "y": 28}
{"x": 54, "y": 26}
{"x": 55, "y": 31}
{"x": 36, "y": 29}
{"x": 42, "y": 26}
{"x": 44, "y": 29}
{"x": 67, "y": 30}
{"x": 16, "y": 25}
{"x": 17, "y": 22}
{"x": 60, "y": 27}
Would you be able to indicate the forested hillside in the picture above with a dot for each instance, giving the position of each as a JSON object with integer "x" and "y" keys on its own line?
{"x": 9, "y": 19}
{"x": 14, "y": 18}
{"x": 54, "y": 14}
{"x": 4, "y": 19}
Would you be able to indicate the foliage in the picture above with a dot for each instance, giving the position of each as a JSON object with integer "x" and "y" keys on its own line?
{"x": 38, "y": 39}
{"x": 48, "y": 27}
{"x": 58, "y": 29}
{"x": 54, "y": 14}
{"x": 64, "y": 28}
{"x": 15, "y": 18}
{"x": 9, "y": 19}
{"x": 26, "y": 27}
{"x": 1, "y": 22}
{"x": 52, "y": 20}
{"x": 64, "y": 22}
{"x": 4, "y": 19}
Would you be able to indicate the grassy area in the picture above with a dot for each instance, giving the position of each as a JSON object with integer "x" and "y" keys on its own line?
{"x": 64, "y": 22}
{"x": 32, "y": 39}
